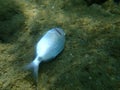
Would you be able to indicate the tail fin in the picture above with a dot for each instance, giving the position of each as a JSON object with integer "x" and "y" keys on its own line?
{"x": 34, "y": 66}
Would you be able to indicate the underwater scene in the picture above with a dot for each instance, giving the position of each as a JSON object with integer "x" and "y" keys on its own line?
{"x": 89, "y": 59}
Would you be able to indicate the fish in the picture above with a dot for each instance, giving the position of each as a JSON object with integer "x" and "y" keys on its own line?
{"x": 47, "y": 48}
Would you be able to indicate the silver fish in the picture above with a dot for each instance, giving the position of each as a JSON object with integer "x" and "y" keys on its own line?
{"x": 47, "y": 48}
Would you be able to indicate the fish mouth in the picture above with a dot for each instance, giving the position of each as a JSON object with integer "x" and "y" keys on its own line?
{"x": 58, "y": 31}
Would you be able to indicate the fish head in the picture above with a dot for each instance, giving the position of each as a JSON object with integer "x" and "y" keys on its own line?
{"x": 58, "y": 31}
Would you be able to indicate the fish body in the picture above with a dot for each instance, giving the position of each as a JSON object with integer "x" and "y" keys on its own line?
{"x": 47, "y": 48}
{"x": 51, "y": 44}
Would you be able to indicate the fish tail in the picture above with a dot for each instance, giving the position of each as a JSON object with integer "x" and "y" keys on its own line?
{"x": 34, "y": 66}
